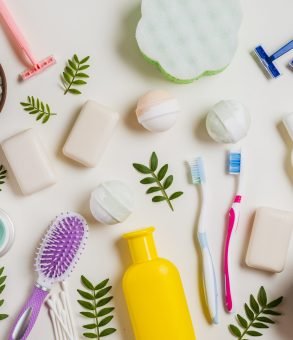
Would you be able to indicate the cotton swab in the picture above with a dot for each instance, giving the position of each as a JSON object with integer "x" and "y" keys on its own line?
{"x": 52, "y": 306}
{"x": 65, "y": 292}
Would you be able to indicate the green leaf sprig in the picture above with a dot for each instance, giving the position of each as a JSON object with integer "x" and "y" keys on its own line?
{"x": 73, "y": 76}
{"x": 3, "y": 175}
{"x": 257, "y": 312}
{"x": 34, "y": 106}
{"x": 94, "y": 302}
{"x": 2, "y": 287}
{"x": 156, "y": 179}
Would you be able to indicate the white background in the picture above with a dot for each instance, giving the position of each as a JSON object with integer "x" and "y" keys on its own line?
{"x": 119, "y": 76}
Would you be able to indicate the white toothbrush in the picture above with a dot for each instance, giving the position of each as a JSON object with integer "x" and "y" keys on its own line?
{"x": 209, "y": 276}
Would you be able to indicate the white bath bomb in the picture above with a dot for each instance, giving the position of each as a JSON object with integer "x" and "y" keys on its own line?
{"x": 112, "y": 202}
{"x": 157, "y": 110}
{"x": 228, "y": 121}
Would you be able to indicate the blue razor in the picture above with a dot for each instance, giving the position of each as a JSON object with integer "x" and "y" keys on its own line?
{"x": 268, "y": 61}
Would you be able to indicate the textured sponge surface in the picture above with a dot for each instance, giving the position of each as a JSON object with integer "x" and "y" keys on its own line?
{"x": 189, "y": 38}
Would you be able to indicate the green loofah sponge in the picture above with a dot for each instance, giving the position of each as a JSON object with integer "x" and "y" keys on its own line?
{"x": 189, "y": 39}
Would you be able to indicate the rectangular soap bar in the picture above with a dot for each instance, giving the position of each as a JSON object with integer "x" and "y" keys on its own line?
{"x": 28, "y": 161}
{"x": 270, "y": 239}
{"x": 90, "y": 134}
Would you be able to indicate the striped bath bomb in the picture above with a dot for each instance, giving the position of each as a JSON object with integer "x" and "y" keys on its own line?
{"x": 189, "y": 39}
{"x": 157, "y": 111}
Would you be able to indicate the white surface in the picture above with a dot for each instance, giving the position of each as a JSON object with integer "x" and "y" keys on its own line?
{"x": 119, "y": 76}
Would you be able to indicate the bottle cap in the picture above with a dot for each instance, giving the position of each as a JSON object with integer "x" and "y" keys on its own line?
{"x": 288, "y": 122}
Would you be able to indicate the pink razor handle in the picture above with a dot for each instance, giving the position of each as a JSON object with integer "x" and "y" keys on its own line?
{"x": 28, "y": 315}
{"x": 233, "y": 219}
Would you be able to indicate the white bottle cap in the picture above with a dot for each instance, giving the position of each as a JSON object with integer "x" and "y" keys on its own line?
{"x": 288, "y": 122}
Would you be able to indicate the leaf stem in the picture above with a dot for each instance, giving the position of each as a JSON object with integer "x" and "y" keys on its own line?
{"x": 163, "y": 190}
{"x": 96, "y": 316}
{"x": 72, "y": 80}
{"x": 251, "y": 322}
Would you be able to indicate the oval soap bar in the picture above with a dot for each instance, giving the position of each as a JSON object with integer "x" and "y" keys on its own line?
{"x": 112, "y": 202}
{"x": 157, "y": 110}
{"x": 228, "y": 121}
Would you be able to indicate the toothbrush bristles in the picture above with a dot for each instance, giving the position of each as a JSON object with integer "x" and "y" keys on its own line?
{"x": 234, "y": 163}
{"x": 197, "y": 171}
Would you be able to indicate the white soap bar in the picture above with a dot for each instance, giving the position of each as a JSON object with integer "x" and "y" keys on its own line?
{"x": 28, "y": 161}
{"x": 90, "y": 134}
{"x": 270, "y": 239}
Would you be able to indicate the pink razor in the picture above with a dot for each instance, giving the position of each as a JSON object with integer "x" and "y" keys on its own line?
{"x": 58, "y": 254}
{"x": 235, "y": 167}
{"x": 36, "y": 67}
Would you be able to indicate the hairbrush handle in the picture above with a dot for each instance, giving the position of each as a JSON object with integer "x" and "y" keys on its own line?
{"x": 28, "y": 315}
{"x": 233, "y": 219}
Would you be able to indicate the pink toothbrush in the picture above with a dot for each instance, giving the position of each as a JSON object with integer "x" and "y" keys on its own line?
{"x": 60, "y": 249}
{"x": 235, "y": 167}
{"x": 36, "y": 67}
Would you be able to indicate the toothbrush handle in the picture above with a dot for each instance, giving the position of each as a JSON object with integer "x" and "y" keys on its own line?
{"x": 232, "y": 223}
{"x": 209, "y": 277}
{"x": 28, "y": 315}
{"x": 18, "y": 36}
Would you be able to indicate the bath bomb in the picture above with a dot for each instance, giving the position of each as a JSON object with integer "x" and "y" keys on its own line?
{"x": 157, "y": 111}
{"x": 191, "y": 38}
{"x": 112, "y": 202}
{"x": 228, "y": 121}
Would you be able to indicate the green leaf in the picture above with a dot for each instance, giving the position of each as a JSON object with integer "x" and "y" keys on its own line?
{"x": 2, "y": 268}
{"x": 84, "y": 60}
{"x": 72, "y": 65}
{"x": 74, "y": 91}
{"x": 2, "y": 288}
{"x": 67, "y": 77}
{"x": 253, "y": 304}
{"x": 40, "y": 116}
{"x": 2, "y": 279}
{"x": 168, "y": 182}
{"x": 90, "y": 335}
{"x": 82, "y": 75}
{"x": 175, "y": 195}
{"x": 105, "y": 311}
{"x": 90, "y": 326}
{"x": 102, "y": 292}
{"x": 259, "y": 325}
{"x": 86, "y": 305}
{"x": 105, "y": 321}
{"x": 79, "y": 82}
{"x": 87, "y": 283}
{"x": 45, "y": 119}
{"x": 242, "y": 321}
{"x": 39, "y": 108}
{"x": 24, "y": 104}
{"x": 104, "y": 301}
{"x": 275, "y": 303}
{"x": 142, "y": 168}
{"x": 262, "y": 297}
{"x": 235, "y": 331}
{"x": 162, "y": 172}
{"x": 107, "y": 331}
{"x": 3, "y": 316}
{"x": 86, "y": 295}
{"x": 88, "y": 315}
{"x": 1, "y": 302}
{"x": 148, "y": 180}
{"x": 75, "y": 57}
{"x": 153, "y": 189}
{"x": 271, "y": 312}
{"x": 102, "y": 284}
{"x": 249, "y": 312}
{"x": 159, "y": 199}
{"x": 265, "y": 319}
{"x": 254, "y": 333}
{"x": 84, "y": 67}
{"x": 154, "y": 162}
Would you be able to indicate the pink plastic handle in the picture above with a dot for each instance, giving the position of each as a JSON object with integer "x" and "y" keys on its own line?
{"x": 232, "y": 223}
{"x": 28, "y": 315}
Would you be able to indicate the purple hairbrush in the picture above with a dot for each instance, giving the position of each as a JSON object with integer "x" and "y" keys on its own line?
{"x": 57, "y": 256}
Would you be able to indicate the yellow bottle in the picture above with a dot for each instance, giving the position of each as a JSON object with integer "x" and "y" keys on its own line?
{"x": 154, "y": 293}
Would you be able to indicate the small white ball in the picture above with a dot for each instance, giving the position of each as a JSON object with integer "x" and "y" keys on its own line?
{"x": 112, "y": 202}
{"x": 228, "y": 121}
{"x": 157, "y": 111}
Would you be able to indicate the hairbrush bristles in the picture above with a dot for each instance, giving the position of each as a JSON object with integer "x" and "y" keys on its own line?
{"x": 197, "y": 171}
{"x": 61, "y": 248}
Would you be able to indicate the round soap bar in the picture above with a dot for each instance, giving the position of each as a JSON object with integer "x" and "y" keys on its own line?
{"x": 228, "y": 121}
{"x": 112, "y": 202}
{"x": 6, "y": 233}
{"x": 157, "y": 111}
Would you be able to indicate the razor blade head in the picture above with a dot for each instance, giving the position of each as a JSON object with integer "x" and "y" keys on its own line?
{"x": 38, "y": 68}
{"x": 266, "y": 62}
